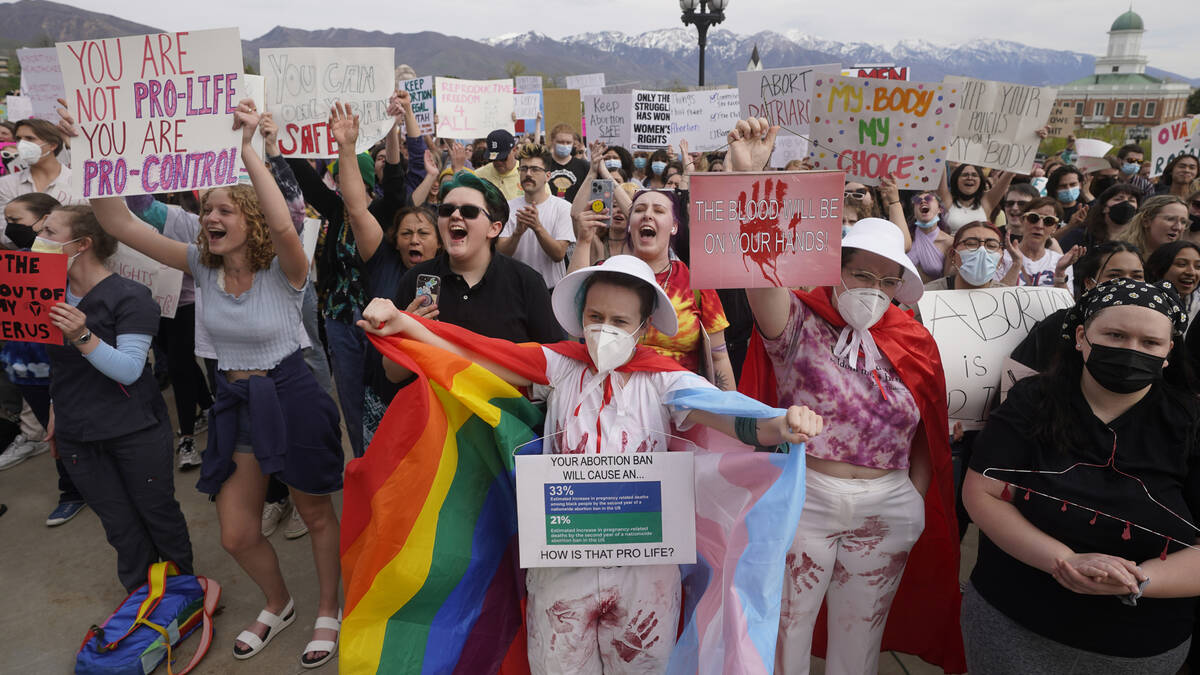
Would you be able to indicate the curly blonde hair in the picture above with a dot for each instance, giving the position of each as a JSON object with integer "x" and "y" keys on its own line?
{"x": 259, "y": 248}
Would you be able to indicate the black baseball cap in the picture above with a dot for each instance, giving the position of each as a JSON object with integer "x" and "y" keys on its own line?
{"x": 499, "y": 144}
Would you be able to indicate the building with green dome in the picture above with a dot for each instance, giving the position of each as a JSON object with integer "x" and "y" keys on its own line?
{"x": 1119, "y": 91}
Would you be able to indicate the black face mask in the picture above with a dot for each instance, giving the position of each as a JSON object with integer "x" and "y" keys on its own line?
{"x": 1123, "y": 371}
{"x": 1122, "y": 212}
{"x": 1195, "y": 226}
{"x": 21, "y": 235}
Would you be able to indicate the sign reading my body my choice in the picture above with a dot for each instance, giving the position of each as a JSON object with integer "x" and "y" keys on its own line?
{"x": 593, "y": 510}
{"x": 154, "y": 112}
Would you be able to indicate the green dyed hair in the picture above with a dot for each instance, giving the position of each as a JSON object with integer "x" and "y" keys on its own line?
{"x": 497, "y": 205}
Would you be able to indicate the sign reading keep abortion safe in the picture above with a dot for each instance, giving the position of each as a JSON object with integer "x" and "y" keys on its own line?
{"x": 154, "y": 112}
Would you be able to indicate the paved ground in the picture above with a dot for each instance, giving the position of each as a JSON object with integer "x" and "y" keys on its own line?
{"x": 59, "y": 581}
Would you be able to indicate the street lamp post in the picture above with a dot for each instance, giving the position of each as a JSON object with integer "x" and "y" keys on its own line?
{"x": 703, "y": 19}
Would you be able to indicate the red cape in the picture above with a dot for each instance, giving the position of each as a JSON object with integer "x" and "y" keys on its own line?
{"x": 924, "y": 616}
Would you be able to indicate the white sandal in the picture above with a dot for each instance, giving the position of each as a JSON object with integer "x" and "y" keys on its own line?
{"x": 329, "y": 646}
{"x": 273, "y": 623}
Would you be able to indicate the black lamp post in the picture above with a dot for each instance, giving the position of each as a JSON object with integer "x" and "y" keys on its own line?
{"x": 703, "y": 19}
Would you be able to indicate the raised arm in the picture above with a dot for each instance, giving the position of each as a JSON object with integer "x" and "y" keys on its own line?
{"x": 117, "y": 220}
{"x": 421, "y": 192}
{"x": 943, "y": 189}
{"x": 367, "y": 231}
{"x": 282, "y": 171}
{"x": 1000, "y": 182}
{"x": 798, "y": 425}
{"x": 893, "y": 208}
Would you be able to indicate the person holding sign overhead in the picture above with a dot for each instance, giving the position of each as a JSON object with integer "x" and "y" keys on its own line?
{"x": 270, "y": 417}
{"x": 967, "y": 197}
{"x": 608, "y": 395}
{"x": 875, "y": 375}
{"x": 108, "y": 422}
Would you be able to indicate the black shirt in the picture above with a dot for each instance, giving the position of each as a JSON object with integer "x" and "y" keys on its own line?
{"x": 564, "y": 179}
{"x": 88, "y": 405}
{"x": 1037, "y": 350}
{"x": 1153, "y": 444}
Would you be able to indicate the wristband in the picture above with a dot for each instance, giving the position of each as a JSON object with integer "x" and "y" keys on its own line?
{"x": 746, "y": 429}
{"x": 894, "y": 203}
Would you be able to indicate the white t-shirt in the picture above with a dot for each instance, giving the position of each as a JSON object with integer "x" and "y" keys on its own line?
{"x": 1041, "y": 272}
{"x": 633, "y": 420}
{"x": 555, "y": 214}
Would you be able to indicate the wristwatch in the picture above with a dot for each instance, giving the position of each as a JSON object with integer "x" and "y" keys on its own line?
{"x": 87, "y": 335}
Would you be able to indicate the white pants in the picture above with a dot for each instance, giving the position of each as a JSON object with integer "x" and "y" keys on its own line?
{"x": 850, "y": 550}
{"x": 585, "y": 620}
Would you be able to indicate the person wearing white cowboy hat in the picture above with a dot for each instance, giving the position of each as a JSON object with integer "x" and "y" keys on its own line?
{"x": 606, "y": 397}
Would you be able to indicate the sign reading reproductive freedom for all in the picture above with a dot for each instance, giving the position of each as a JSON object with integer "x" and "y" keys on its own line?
{"x": 975, "y": 331}
{"x": 762, "y": 230}
{"x": 600, "y": 510}
{"x": 473, "y": 108}
{"x": 784, "y": 97}
{"x": 154, "y": 112}
{"x": 998, "y": 123}
{"x": 30, "y": 284}
{"x": 871, "y": 128}
{"x": 304, "y": 83}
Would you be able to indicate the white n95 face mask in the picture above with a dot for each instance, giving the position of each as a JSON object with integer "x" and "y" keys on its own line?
{"x": 861, "y": 308}
{"x": 28, "y": 153}
{"x": 609, "y": 346}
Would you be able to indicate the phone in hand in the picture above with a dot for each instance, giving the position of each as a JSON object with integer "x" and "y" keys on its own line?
{"x": 429, "y": 289}
{"x": 602, "y": 196}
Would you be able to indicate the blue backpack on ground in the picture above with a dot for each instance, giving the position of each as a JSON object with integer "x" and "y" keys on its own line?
{"x": 150, "y": 623}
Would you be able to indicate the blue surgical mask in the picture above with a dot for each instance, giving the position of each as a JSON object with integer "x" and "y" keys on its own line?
{"x": 639, "y": 163}
{"x": 1130, "y": 168}
{"x": 658, "y": 168}
{"x": 612, "y": 164}
{"x": 979, "y": 266}
{"x": 563, "y": 150}
{"x": 929, "y": 225}
{"x": 1068, "y": 195}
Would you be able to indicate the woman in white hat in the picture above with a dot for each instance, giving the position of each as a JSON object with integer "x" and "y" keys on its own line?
{"x": 606, "y": 397}
{"x": 874, "y": 374}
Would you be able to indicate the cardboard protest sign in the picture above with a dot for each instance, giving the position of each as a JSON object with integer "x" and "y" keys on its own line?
{"x": 651, "y": 120}
{"x": 563, "y": 106}
{"x": 527, "y": 84}
{"x": 163, "y": 281}
{"x": 527, "y": 106}
{"x": 30, "y": 284}
{"x": 1167, "y": 141}
{"x": 42, "y": 81}
{"x": 1062, "y": 121}
{"x": 783, "y": 96}
{"x": 18, "y": 108}
{"x": 882, "y": 71}
{"x": 703, "y": 118}
{"x": 578, "y": 510}
{"x": 591, "y": 84}
{"x": 975, "y": 332}
{"x": 609, "y": 118}
{"x": 420, "y": 92}
{"x": 473, "y": 108}
{"x": 303, "y": 83}
{"x": 761, "y": 230}
{"x": 154, "y": 112}
{"x": 998, "y": 123}
{"x": 870, "y": 128}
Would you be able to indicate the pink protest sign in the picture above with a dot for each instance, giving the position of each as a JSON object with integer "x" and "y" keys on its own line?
{"x": 762, "y": 230}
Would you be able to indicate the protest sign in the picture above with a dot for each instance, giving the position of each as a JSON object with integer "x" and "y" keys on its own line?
{"x": 783, "y": 96}
{"x": 591, "y": 84}
{"x": 1062, "y": 121}
{"x": 42, "y": 81}
{"x": 163, "y": 281}
{"x": 303, "y": 83}
{"x": 30, "y": 284}
{"x": 871, "y": 128}
{"x": 154, "y": 112}
{"x": 609, "y": 118}
{"x": 651, "y": 120}
{"x": 759, "y": 230}
{"x": 473, "y": 108}
{"x": 527, "y": 84}
{"x": 975, "y": 332}
{"x": 1167, "y": 141}
{"x": 18, "y": 108}
{"x": 703, "y": 118}
{"x": 527, "y": 106}
{"x": 599, "y": 510}
{"x": 882, "y": 71}
{"x": 998, "y": 123}
{"x": 563, "y": 106}
{"x": 420, "y": 92}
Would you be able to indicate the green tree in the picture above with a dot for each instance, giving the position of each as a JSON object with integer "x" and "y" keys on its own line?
{"x": 1193, "y": 102}
{"x": 514, "y": 69}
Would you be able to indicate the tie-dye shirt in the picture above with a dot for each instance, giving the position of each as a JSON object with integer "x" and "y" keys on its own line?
{"x": 682, "y": 346}
{"x": 870, "y": 416}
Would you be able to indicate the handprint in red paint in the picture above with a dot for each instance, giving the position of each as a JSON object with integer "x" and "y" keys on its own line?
{"x": 759, "y": 236}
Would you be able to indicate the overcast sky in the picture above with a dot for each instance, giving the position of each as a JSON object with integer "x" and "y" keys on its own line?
{"x": 1173, "y": 26}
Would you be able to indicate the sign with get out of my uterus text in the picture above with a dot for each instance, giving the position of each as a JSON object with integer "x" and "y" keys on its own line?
{"x": 154, "y": 112}
{"x": 761, "y": 230}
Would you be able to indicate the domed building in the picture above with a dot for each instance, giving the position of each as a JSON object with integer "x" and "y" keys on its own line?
{"x": 1119, "y": 91}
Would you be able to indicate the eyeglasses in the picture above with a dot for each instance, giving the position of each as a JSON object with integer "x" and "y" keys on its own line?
{"x": 1034, "y": 219}
{"x": 856, "y": 194}
{"x": 973, "y": 243}
{"x": 530, "y": 169}
{"x": 468, "y": 211}
{"x": 866, "y": 279}
{"x": 921, "y": 199}
{"x": 1009, "y": 203}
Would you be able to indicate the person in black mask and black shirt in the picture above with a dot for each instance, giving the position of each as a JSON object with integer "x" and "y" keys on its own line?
{"x": 1106, "y": 218}
{"x": 1085, "y": 484}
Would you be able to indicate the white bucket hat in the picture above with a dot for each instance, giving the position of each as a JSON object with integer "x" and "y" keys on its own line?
{"x": 883, "y": 238}
{"x": 566, "y": 304}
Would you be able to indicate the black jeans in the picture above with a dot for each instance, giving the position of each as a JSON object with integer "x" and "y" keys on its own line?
{"x": 38, "y": 398}
{"x": 178, "y": 338}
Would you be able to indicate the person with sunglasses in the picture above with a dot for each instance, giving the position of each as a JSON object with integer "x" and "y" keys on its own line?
{"x": 1018, "y": 195}
{"x": 1039, "y": 266}
{"x": 539, "y": 228}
